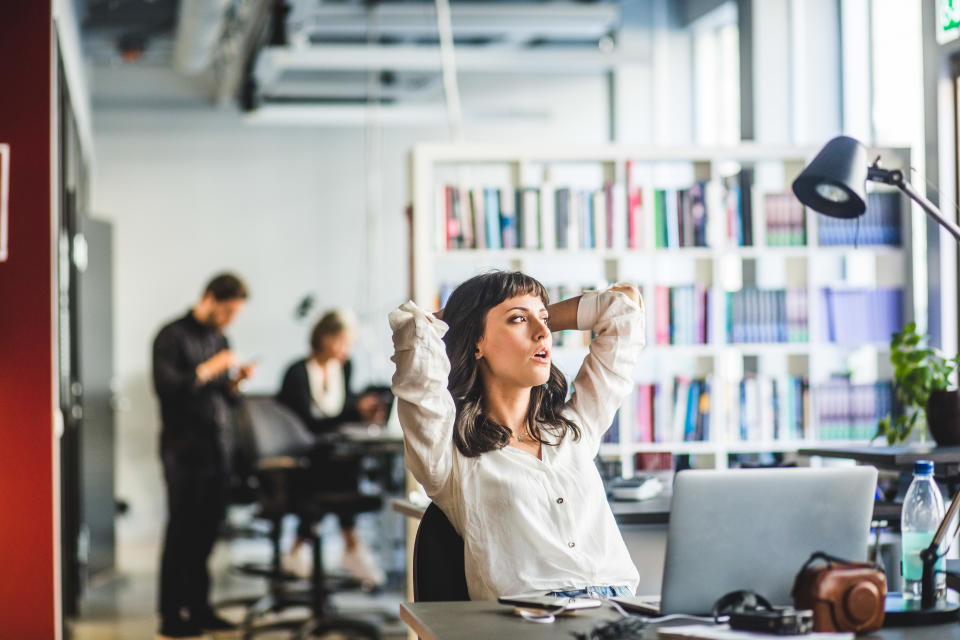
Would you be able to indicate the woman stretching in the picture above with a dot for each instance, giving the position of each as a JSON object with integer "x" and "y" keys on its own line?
{"x": 489, "y": 436}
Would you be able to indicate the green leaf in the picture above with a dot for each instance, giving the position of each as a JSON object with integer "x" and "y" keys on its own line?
{"x": 883, "y": 427}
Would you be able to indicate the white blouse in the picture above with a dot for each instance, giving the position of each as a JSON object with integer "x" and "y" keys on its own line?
{"x": 327, "y": 387}
{"x": 528, "y": 525}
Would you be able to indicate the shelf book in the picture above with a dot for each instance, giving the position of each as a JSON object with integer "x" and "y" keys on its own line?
{"x": 881, "y": 224}
{"x": 704, "y": 214}
{"x": 766, "y": 325}
{"x": 857, "y": 316}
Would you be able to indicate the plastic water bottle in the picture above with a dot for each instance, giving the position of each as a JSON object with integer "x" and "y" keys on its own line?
{"x": 921, "y": 515}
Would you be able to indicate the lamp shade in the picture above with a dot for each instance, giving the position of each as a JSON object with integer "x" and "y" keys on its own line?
{"x": 834, "y": 183}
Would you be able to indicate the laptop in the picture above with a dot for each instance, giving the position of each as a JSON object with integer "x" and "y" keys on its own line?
{"x": 753, "y": 529}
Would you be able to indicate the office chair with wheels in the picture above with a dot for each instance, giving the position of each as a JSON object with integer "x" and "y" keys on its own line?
{"x": 279, "y": 450}
{"x": 438, "y": 573}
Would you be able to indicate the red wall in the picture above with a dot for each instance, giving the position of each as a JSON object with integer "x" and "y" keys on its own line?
{"x": 27, "y": 531}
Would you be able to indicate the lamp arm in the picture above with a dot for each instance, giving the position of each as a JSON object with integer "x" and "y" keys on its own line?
{"x": 895, "y": 177}
{"x": 931, "y": 554}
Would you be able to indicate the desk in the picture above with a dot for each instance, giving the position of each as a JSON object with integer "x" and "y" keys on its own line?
{"x": 656, "y": 510}
{"x": 946, "y": 460}
{"x": 488, "y": 619}
{"x": 480, "y": 620}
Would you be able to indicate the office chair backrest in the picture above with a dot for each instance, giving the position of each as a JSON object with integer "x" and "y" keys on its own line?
{"x": 266, "y": 429}
{"x": 438, "y": 573}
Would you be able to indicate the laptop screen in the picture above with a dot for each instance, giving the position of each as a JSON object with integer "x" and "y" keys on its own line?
{"x": 754, "y": 529}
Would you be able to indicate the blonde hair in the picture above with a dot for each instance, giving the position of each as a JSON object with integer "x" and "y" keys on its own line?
{"x": 331, "y": 323}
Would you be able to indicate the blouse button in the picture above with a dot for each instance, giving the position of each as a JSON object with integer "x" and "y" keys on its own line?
{"x": 559, "y": 500}
{"x": 571, "y": 544}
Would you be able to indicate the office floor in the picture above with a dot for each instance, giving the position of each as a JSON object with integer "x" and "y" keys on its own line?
{"x": 122, "y": 607}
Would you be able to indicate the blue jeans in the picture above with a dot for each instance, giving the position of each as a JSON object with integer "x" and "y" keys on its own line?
{"x": 603, "y": 592}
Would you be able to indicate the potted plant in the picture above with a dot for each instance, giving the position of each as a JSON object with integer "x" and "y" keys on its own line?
{"x": 921, "y": 376}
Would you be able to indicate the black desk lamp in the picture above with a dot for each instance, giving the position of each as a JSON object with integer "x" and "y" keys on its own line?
{"x": 834, "y": 183}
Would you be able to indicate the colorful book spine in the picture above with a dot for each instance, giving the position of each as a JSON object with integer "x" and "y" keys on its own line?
{"x": 846, "y": 411}
{"x": 881, "y": 223}
{"x": 633, "y": 212}
{"x": 682, "y": 314}
{"x": 769, "y": 409}
{"x": 491, "y": 202}
{"x": 645, "y": 416}
{"x": 452, "y": 220}
{"x": 860, "y": 316}
{"x": 766, "y": 315}
{"x": 530, "y": 220}
{"x": 562, "y": 217}
{"x": 676, "y": 411}
{"x": 662, "y": 314}
{"x": 509, "y": 231}
{"x": 479, "y": 218}
{"x": 785, "y": 220}
{"x": 612, "y": 434}
{"x": 660, "y": 216}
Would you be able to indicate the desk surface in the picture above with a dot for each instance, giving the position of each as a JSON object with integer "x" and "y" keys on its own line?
{"x": 485, "y": 619}
{"x": 488, "y": 619}
{"x": 891, "y": 457}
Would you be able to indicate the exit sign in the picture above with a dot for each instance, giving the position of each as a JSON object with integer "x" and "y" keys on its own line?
{"x": 948, "y": 20}
{"x": 4, "y": 197}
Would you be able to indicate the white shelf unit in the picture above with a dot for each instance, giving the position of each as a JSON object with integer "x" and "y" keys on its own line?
{"x": 810, "y": 267}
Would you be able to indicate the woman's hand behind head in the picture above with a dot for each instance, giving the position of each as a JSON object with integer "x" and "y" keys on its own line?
{"x": 628, "y": 289}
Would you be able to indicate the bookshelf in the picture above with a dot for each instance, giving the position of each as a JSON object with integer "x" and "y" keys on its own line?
{"x": 767, "y": 328}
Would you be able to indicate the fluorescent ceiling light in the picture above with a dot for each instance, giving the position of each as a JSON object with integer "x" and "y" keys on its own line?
{"x": 347, "y": 115}
{"x": 385, "y": 115}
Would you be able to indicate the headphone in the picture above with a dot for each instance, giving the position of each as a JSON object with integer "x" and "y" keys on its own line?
{"x": 740, "y": 602}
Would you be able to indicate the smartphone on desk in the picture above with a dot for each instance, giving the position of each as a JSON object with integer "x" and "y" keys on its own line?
{"x": 549, "y": 603}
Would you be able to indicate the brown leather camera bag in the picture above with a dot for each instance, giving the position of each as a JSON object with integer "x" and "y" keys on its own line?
{"x": 844, "y": 596}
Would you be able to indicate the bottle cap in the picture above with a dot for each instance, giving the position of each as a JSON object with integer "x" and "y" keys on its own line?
{"x": 923, "y": 467}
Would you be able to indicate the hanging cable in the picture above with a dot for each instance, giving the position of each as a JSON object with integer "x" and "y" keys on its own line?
{"x": 449, "y": 69}
{"x": 369, "y": 283}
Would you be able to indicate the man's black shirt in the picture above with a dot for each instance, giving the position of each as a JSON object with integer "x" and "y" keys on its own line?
{"x": 196, "y": 418}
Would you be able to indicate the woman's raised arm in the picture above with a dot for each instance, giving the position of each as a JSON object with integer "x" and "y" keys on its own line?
{"x": 606, "y": 375}
{"x": 563, "y": 314}
{"x": 425, "y": 406}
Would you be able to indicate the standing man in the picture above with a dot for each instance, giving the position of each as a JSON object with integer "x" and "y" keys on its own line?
{"x": 195, "y": 375}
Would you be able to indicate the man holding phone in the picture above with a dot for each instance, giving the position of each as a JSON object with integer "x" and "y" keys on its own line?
{"x": 196, "y": 377}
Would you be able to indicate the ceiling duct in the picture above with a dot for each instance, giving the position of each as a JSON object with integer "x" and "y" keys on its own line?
{"x": 330, "y": 51}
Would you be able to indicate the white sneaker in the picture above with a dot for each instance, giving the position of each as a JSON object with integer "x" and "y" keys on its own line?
{"x": 361, "y": 566}
{"x": 298, "y": 562}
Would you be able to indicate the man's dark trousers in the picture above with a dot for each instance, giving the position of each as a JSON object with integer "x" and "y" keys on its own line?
{"x": 196, "y": 501}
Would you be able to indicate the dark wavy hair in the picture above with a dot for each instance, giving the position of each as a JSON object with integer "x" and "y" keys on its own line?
{"x": 466, "y": 313}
